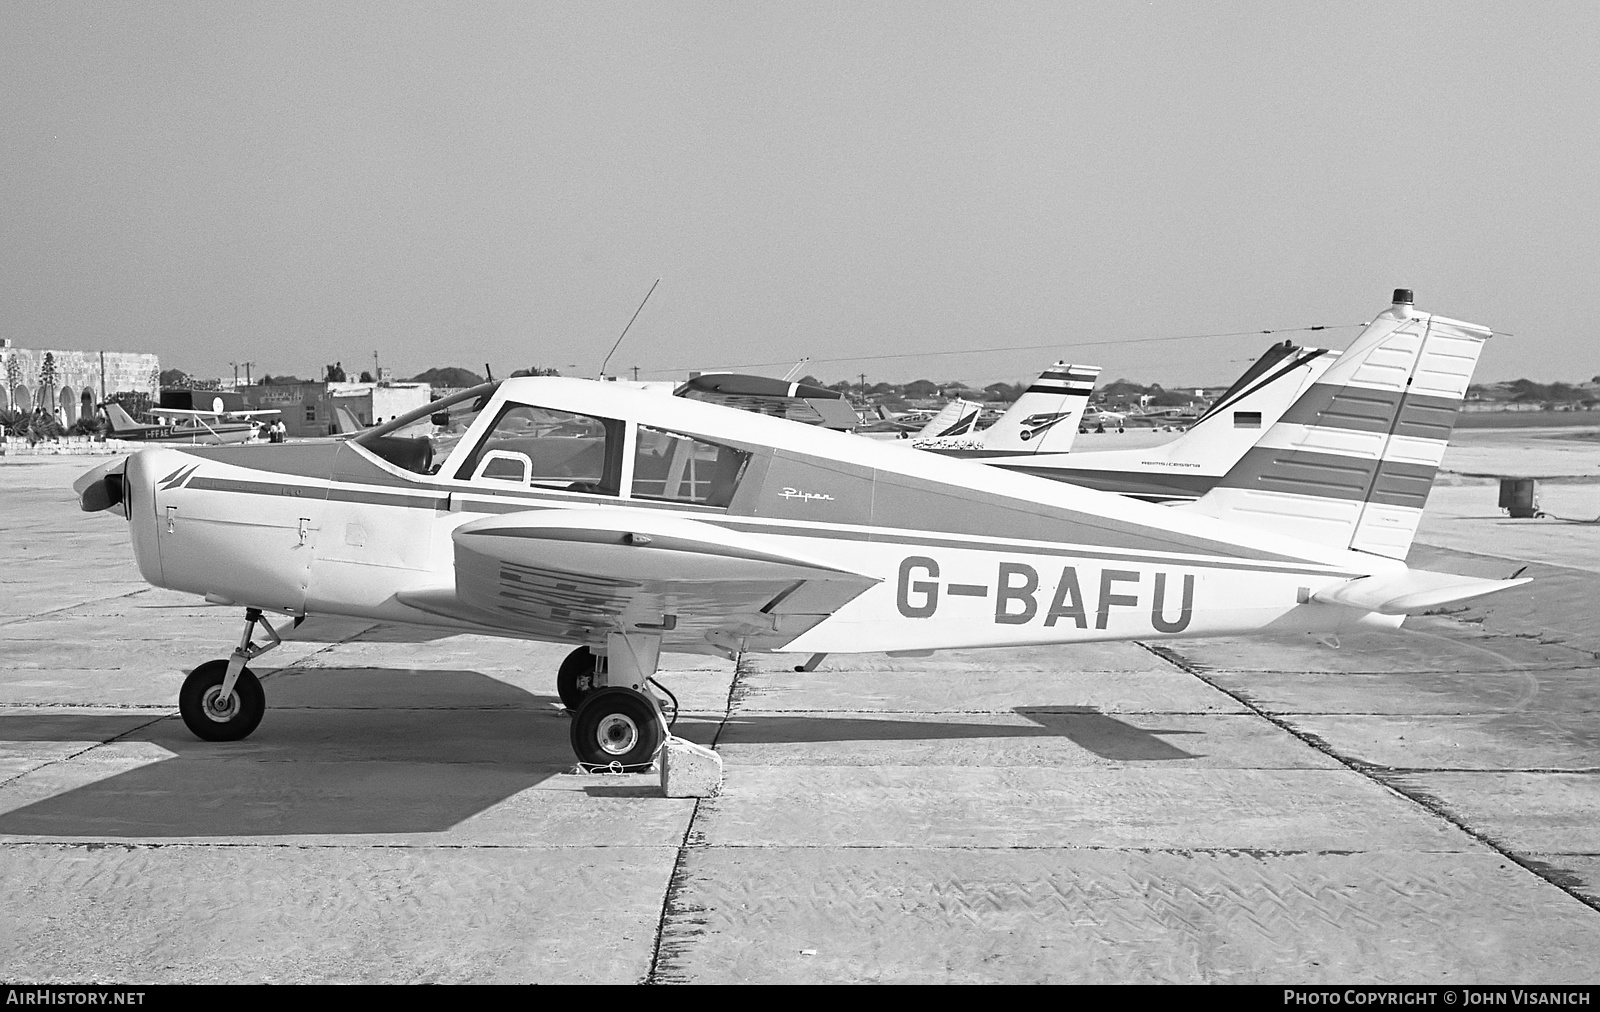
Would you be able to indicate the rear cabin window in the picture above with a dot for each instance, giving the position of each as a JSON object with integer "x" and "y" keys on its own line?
{"x": 679, "y": 468}
{"x": 548, "y": 448}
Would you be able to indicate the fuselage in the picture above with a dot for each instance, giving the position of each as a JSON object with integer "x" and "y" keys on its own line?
{"x": 950, "y": 553}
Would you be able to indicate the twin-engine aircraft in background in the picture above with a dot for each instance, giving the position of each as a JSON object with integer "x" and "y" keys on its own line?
{"x": 628, "y": 523}
{"x": 205, "y": 428}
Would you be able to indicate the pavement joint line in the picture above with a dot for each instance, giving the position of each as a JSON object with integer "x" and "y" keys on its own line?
{"x": 1058, "y": 711}
{"x": 13, "y": 620}
{"x": 1377, "y": 775}
{"x": 1585, "y": 770}
{"x": 674, "y": 878}
{"x": 1585, "y": 666}
{"x": 102, "y": 842}
{"x": 85, "y": 706}
{"x": 83, "y": 751}
{"x": 98, "y": 843}
{"x": 166, "y": 712}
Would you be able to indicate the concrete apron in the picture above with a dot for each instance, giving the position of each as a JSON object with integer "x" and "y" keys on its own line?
{"x": 1406, "y": 808}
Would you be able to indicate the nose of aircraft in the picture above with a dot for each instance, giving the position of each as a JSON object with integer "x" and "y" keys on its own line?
{"x": 101, "y": 488}
{"x": 139, "y": 504}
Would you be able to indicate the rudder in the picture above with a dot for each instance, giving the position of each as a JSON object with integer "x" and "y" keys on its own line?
{"x": 1045, "y": 418}
{"x": 1351, "y": 462}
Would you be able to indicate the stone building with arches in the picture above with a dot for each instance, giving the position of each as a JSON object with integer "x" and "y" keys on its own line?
{"x": 69, "y": 384}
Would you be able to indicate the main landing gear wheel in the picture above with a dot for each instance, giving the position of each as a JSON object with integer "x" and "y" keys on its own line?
{"x": 575, "y": 677}
{"x": 617, "y": 725}
{"x": 215, "y": 718}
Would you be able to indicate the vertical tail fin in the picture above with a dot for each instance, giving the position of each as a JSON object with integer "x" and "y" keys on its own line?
{"x": 1236, "y": 421}
{"x": 1045, "y": 418}
{"x": 957, "y": 418}
{"x": 1350, "y": 464}
{"x": 119, "y": 420}
{"x": 347, "y": 423}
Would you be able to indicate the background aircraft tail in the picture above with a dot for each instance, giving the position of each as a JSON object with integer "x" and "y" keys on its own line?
{"x": 1352, "y": 460}
{"x": 1045, "y": 418}
{"x": 119, "y": 420}
{"x": 958, "y": 418}
{"x": 346, "y": 421}
{"x": 1235, "y": 422}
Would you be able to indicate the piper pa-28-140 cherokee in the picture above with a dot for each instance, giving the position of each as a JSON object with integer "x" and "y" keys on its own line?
{"x": 629, "y": 523}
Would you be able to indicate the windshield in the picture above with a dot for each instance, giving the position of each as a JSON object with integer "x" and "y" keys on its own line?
{"x": 421, "y": 440}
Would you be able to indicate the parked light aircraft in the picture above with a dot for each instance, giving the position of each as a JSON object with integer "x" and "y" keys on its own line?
{"x": 1045, "y": 416}
{"x": 881, "y": 423}
{"x": 1101, "y": 418}
{"x": 627, "y": 523}
{"x": 1187, "y": 467}
{"x": 189, "y": 425}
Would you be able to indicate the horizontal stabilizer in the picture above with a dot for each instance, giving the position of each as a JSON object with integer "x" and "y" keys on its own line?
{"x": 1410, "y": 591}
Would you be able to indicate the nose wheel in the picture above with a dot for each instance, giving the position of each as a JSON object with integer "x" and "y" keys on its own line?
{"x": 222, "y": 700}
{"x": 217, "y": 716}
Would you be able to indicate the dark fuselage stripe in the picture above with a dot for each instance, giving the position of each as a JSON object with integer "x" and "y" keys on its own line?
{"x": 1333, "y": 476}
{"x": 775, "y": 530}
{"x": 1364, "y": 410}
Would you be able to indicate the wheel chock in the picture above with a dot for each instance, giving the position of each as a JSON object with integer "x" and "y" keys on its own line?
{"x": 689, "y": 770}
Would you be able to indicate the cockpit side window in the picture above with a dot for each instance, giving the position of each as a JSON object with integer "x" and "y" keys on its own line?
{"x": 679, "y": 468}
{"x": 548, "y": 448}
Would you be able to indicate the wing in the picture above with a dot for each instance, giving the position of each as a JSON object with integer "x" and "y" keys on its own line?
{"x": 762, "y": 395}
{"x": 579, "y": 574}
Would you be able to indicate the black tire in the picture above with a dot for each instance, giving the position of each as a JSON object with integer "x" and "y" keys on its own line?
{"x": 575, "y": 678}
{"x": 231, "y": 724}
{"x": 617, "y": 726}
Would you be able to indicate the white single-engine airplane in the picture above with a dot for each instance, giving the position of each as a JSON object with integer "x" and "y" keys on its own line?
{"x": 187, "y": 425}
{"x": 627, "y": 523}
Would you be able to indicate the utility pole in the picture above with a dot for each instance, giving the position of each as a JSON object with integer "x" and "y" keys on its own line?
{"x": 863, "y": 390}
{"x": 235, "y": 374}
{"x": 636, "y": 374}
{"x": 374, "y": 366}
{"x": 247, "y": 380}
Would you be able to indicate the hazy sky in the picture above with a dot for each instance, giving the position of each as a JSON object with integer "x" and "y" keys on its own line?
{"x": 455, "y": 183}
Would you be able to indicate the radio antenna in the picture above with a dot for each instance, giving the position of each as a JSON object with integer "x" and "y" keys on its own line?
{"x": 624, "y": 333}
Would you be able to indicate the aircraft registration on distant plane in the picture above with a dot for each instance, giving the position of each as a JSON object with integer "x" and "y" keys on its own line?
{"x": 627, "y": 523}
{"x": 191, "y": 426}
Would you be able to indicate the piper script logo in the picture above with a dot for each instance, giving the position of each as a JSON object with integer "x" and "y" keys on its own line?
{"x": 794, "y": 493}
